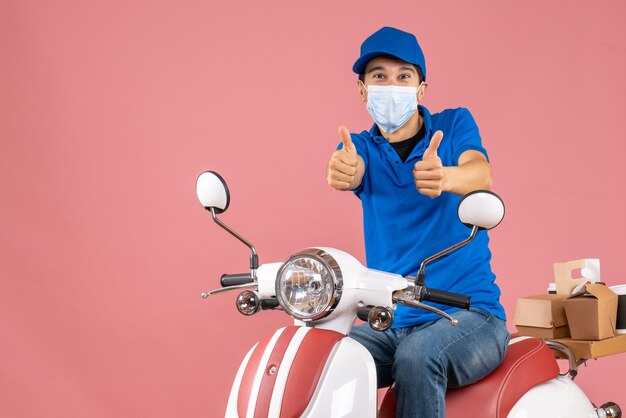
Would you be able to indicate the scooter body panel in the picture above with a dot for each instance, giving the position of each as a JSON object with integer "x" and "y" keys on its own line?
{"x": 346, "y": 385}
{"x": 556, "y": 398}
{"x": 231, "y": 407}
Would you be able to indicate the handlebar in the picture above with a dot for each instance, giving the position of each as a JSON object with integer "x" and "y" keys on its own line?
{"x": 235, "y": 279}
{"x": 447, "y": 298}
{"x": 363, "y": 313}
{"x": 271, "y": 303}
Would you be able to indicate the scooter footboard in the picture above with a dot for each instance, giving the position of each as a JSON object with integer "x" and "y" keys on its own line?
{"x": 302, "y": 371}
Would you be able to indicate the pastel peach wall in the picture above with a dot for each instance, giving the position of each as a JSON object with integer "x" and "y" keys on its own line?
{"x": 109, "y": 110}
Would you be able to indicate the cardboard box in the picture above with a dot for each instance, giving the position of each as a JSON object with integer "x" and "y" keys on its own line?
{"x": 592, "y": 313}
{"x": 620, "y": 290}
{"x": 595, "y": 349}
{"x": 541, "y": 316}
{"x": 571, "y": 274}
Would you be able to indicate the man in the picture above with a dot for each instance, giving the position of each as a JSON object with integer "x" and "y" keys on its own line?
{"x": 410, "y": 171}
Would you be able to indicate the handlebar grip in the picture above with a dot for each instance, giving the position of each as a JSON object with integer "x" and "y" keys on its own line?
{"x": 363, "y": 313}
{"x": 448, "y": 298}
{"x": 235, "y": 279}
{"x": 271, "y": 303}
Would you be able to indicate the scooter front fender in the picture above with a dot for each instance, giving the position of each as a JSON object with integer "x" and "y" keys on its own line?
{"x": 308, "y": 372}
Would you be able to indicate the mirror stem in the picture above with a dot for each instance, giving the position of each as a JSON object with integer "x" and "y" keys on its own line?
{"x": 421, "y": 274}
{"x": 254, "y": 259}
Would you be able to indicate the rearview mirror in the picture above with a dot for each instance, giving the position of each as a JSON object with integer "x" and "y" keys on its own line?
{"x": 213, "y": 194}
{"x": 481, "y": 208}
{"x": 212, "y": 191}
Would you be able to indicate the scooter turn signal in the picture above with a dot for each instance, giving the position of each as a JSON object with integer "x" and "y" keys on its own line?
{"x": 248, "y": 302}
{"x": 380, "y": 318}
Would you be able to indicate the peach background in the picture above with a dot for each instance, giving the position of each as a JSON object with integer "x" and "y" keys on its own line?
{"x": 109, "y": 110}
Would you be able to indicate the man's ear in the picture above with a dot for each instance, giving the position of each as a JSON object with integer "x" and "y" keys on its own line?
{"x": 362, "y": 91}
{"x": 422, "y": 92}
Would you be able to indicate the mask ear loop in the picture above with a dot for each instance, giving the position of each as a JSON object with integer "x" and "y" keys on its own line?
{"x": 418, "y": 91}
{"x": 364, "y": 86}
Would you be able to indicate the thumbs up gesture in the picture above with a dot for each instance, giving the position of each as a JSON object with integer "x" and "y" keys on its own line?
{"x": 345, "y": 169}
{"x": 429, "y": 173}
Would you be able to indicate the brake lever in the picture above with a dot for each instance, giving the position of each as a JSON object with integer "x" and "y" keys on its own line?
{"x": 432, "y": 309}
{"x": 227, "y": 289}
{"x": 407, "y": 297}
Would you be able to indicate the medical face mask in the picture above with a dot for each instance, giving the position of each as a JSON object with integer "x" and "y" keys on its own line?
{"x": 391, "y": 106}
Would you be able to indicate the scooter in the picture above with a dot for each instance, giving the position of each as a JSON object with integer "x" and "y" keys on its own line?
{"x": 312, "y": 369}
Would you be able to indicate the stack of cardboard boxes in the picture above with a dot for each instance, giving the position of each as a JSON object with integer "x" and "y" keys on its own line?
{"x": 581, "y": 315}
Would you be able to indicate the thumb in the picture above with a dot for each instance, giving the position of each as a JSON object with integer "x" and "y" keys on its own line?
{"x": 344, "y": 134}
{"x": 435, "y": 141}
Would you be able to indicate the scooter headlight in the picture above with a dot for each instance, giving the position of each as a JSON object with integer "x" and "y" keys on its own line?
{"x": 309, "y": 284}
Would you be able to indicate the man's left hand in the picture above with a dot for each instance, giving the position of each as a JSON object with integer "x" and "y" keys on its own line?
{"x": 429, "y": 173}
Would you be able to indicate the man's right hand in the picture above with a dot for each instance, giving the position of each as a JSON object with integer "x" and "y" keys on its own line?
{"x": 345, "y": 169}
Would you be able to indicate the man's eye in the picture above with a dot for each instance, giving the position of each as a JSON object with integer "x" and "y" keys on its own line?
{"x": 405, "y": 76}
{"x": 378, "y": 75}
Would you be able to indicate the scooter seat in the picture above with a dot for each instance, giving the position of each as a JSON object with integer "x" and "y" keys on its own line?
{"x": 527, "y": 363}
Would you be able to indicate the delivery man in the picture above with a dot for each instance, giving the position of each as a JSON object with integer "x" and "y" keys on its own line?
{"x": 410, "y": 171}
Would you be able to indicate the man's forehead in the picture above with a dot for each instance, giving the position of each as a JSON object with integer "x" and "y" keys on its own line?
{"x": 387, "y": 63}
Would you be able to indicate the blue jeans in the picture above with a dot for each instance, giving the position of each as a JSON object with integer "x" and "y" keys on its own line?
{"x": 425, "y": 359}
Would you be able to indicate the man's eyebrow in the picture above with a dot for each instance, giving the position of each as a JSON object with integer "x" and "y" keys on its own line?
{"x": 371, "y": 70}
{"x": 402, "y": 68}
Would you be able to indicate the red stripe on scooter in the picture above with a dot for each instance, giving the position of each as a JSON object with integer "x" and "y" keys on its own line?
{"x": 306, "y": 370}
{"x": 264, "y": 398}
{"x": 247, "y": 380}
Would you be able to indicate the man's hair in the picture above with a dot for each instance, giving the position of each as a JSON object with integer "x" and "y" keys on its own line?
{"x": 417, "y": 68}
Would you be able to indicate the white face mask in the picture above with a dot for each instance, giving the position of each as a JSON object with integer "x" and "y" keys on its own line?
{"x": 391, "y": 106}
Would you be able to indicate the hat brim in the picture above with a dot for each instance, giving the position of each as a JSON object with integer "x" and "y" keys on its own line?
{"x": 361, "y": 63}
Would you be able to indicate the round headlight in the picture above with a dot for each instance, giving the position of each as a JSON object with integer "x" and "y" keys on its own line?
{"x": 309, "y": 284}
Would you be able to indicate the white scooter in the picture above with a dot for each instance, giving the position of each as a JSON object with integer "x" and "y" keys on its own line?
{"x": 312, "y": 369}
